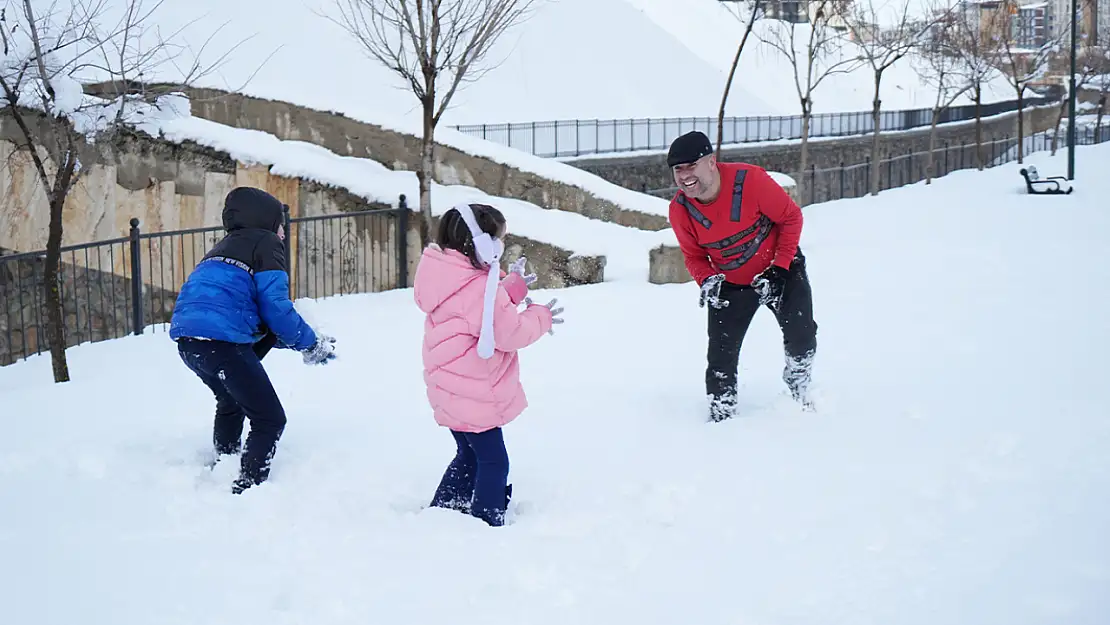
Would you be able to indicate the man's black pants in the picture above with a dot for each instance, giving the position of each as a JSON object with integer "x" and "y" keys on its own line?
{"x": 729, "y": 325}
{"x": 236, "y": 377}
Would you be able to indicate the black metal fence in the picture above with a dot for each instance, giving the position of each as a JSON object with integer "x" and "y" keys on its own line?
{"x": 578, "y": 137}
{"x": 120, "y": 286}
{"x": 852, "y": 181}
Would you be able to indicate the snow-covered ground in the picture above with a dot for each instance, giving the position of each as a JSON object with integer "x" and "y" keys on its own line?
{"x": 572, "y": 59}
{"x": 956, "y": 471}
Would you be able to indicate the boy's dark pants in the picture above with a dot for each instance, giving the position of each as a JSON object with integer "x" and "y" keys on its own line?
{"x": 727, "y": 327}
{"x": 236, "y": 377}
{"x": 476, "y": 480}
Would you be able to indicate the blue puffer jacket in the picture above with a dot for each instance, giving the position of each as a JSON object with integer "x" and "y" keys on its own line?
{"x": 241, "y": 286}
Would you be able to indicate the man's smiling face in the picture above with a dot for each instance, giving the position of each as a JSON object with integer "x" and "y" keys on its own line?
{"x": 698, "y": 179}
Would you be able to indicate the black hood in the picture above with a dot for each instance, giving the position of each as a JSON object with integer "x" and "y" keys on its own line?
{"x": 248, "y": 207}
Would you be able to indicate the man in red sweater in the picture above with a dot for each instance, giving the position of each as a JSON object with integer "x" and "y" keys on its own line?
{"x": 739, "y": 232}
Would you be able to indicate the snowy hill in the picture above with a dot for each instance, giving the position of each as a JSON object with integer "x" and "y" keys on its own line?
{"x": 955, "y": 473}
{"x": 672, "y": 62}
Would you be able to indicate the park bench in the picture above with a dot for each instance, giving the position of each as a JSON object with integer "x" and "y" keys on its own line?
{"x": 1053, "y": 185}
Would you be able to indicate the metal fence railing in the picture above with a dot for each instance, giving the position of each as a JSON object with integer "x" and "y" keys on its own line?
{"x": 852, "y": 181}
{"x": 579, "y": 137}
{"x": 121, "y": 286}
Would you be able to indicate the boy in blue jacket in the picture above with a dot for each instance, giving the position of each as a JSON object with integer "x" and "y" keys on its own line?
{"x": 232, "y": 308}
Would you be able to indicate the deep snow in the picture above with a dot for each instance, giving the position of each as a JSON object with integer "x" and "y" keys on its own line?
{"x": 956, "y": 471}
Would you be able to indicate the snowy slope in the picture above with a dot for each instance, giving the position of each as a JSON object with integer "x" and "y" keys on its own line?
{"x": 956, "y": 472}
{"x": 573, "y": 59}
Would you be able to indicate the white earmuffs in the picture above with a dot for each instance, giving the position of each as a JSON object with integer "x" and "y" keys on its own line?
{"x": 489, "y": 250}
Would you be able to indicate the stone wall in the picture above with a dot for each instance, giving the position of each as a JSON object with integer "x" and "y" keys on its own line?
{"x": 651, "y": 172}
{"x": 97, "y": 304}
{"x": 401, "y": 151}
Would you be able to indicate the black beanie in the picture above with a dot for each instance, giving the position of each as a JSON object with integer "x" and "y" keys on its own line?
{"x": 689, "y": 148}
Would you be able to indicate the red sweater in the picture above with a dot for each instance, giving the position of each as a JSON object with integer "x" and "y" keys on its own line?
{"x": 740, "y": 234}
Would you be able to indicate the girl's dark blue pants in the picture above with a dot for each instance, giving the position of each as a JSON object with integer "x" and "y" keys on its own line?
{"x": 476, "y": 480}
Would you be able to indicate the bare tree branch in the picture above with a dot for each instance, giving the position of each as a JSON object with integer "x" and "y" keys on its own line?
{"x": 1022, "y": 66}
{"x": 882, "y": 46}
{"x": 974, "y": 38}
{"x": 936, "y": 64}
{"x": 825, "y": 52}
{"x": 755, "y": 10}
{"x": 435, "y": 47}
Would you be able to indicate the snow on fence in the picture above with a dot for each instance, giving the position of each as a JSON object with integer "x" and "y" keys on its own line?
{"x": 578, "y": 137}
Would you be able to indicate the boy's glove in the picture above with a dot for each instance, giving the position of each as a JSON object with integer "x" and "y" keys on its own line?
{"x": 555, "y": 312}
{"x": 770, "y": 285}
{"x": 711, "y": 292}
{"x": 518, "y": 268}
{"x": 321, "y": 351}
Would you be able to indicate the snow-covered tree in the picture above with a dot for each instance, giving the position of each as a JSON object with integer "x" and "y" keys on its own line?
{"x": 49, "y": 47}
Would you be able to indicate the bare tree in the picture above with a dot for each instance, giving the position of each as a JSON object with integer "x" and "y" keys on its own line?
{"x": 47, "y": 50}
{"x": 975, "y": 37}
{"x": 1023, "y": 65}
{"x": 936, "y": 64}
{"x": 881, "y": 47}
{"x": 426, "y": 43}
{"x": 815, "y": 51}
{"x": 752, "y": 17}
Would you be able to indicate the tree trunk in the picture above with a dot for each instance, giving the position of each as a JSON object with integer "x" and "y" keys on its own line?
{"x": 1059, "y": 119}
{"x": 804, "y": 161}
{"x": 1098, "y": 116}
{"x": 426, "y": 174}
{"x": 1021, "y": 124}
{"x": 55, "y": 314}
{"x": 875, "y": 106}
{"x": 979, "y": 127}
{"x": 931, "y": 160}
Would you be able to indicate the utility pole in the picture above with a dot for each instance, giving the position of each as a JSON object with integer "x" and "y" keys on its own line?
{"x": 1072, "y": 98}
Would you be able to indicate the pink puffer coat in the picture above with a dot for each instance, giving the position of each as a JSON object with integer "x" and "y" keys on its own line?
{"x": 469, "y": 393}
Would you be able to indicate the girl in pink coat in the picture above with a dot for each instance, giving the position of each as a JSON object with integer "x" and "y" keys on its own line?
{"x": 472, "y": 333}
